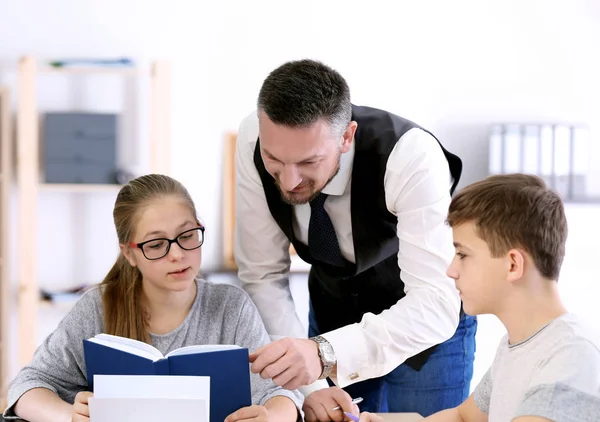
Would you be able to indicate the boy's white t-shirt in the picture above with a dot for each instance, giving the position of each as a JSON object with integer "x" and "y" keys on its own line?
{"x": 554, "y": 374}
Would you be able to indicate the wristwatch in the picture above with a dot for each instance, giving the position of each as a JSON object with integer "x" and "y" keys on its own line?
{"x": 327, "y": 355}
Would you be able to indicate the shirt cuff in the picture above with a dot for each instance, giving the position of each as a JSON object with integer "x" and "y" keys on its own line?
{"x": 315, "y": 386}
{"x": 350, "y": 347}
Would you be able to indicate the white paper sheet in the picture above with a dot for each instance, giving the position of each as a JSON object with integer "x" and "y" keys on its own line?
{"x": 147, "y": 410}
{"x": 155, "y": 387}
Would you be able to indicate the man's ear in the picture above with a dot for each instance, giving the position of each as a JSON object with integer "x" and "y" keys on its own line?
{"x": 516, "y": 265}
{"x": 348, "y": 137}
{"x": 127, "y": 253}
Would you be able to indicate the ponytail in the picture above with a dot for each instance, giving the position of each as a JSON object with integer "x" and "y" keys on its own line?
{"x": 124, "y": 313}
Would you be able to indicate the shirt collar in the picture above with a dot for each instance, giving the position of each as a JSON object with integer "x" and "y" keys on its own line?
{"x": 339, "y": 183}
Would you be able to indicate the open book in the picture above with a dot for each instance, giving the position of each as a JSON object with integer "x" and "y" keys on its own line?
{"x": 226, "y": 365}
{"x": 148, "y": 351}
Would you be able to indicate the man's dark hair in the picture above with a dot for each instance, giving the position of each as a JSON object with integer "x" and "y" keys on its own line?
{"x": 298, "y": 93}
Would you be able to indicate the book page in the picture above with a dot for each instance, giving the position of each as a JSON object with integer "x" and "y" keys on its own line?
{"x": 151, "y": 387}
{"x": 201, "y": 348}
{"x": 148, "y": 410}
{"x": 183, "y": 398}
{"x": 128, "y": 345}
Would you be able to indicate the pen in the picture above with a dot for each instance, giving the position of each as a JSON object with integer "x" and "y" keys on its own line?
{"x": 351, "y": 416}
{"x": 354, "y": 401}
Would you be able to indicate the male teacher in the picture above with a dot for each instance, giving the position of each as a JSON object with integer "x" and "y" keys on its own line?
{"x": 362, "y": 195}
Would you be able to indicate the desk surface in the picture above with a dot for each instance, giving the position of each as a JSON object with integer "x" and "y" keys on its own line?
{"x": 387, "y": 417}
{"x": 401, "y": 417}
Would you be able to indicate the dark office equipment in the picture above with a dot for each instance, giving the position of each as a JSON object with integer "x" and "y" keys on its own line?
{"x": 79, "y": 147}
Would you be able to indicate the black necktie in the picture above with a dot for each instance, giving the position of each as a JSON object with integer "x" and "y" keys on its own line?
{"x": 322, "y": 241}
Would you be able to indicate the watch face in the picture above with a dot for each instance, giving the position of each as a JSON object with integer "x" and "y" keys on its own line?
{"x": 328, "y": 354}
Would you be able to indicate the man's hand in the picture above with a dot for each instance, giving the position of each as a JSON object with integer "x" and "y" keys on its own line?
{"x": 318, "y": 405}
{"x": 254, "y": 413}
{"x": 290, "y": 362}
{"x": 81, "y": 410}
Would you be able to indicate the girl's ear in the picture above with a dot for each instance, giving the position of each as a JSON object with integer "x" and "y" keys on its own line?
{"x": 127, "y": 253}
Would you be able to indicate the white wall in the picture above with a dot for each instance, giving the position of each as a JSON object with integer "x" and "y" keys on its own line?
{"x": 453, "y": 67}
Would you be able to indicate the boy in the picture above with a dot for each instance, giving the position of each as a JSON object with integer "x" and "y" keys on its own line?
{"x": 509, "y": 233}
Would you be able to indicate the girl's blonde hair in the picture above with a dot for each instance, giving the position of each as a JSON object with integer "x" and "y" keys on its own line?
{"x": 124, "y": 313}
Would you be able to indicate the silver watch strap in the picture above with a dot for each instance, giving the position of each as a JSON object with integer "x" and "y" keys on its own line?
{"x": 327, "y": 366}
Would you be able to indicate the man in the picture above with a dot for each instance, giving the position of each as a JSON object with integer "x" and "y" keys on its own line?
{"x": 362, "y": 196}
{"x": 510, "y": 233}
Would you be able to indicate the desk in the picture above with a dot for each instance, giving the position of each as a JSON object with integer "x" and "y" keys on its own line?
{"x": 387, "y": 417}
{"x": 400, "y": 417}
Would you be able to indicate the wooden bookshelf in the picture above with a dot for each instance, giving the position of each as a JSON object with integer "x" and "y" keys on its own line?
{"x": 133, "y": 71}
{"x": 30, "y": 182}
{"x": 79, "y": 187}
{"x": 5, "y": 189}
{"x": 229, "y": 149}
{"x": 229, "y": 200}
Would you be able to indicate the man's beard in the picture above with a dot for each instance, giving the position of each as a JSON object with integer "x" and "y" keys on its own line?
{"x": 293, "y": 201}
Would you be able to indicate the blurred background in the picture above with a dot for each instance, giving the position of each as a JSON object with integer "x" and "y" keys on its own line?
{"x": 478, "y": 74}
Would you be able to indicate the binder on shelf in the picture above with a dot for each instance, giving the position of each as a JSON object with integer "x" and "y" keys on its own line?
{"x": 558, "y": 153}
{"x": 562, "y": 160}
{"x": 580, "y": 161}
{"x": 531, "y": 149}
{"x": 546, "y": 148}
{"x": 496, "y": 147}
{"x": 512, "y": 157}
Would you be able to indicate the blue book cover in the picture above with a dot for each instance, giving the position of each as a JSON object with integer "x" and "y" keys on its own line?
{"x": 226, "y": 365}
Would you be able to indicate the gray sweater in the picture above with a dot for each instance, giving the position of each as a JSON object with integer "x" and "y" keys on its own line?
{"x": 221, "y": 314}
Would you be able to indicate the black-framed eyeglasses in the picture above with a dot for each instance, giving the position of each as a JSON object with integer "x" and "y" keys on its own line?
{"x": 160, "y": 247}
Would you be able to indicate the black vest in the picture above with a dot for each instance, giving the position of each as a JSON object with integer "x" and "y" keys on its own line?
{"x": 340, "y": 296}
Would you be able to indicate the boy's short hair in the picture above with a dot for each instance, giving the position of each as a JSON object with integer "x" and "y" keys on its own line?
{"x": 515, "y": 211}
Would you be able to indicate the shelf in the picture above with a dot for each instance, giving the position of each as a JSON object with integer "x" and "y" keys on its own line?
{"x": 31, "y": 182}
{"x": 65, "y": 300}
{"x": 62, "y": 304}
{"x": 92, "y": 70}
{"x": 582, "y": 201}
{"x": 79, "y": 187}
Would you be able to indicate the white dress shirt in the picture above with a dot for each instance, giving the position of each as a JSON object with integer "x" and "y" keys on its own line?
{"x": 416, "y": 187}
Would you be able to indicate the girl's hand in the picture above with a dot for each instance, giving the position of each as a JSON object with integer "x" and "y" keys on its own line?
{"x": 254, "y": 413}
{"x": 370, "y": 417}
{"x": 81, "y": 410}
